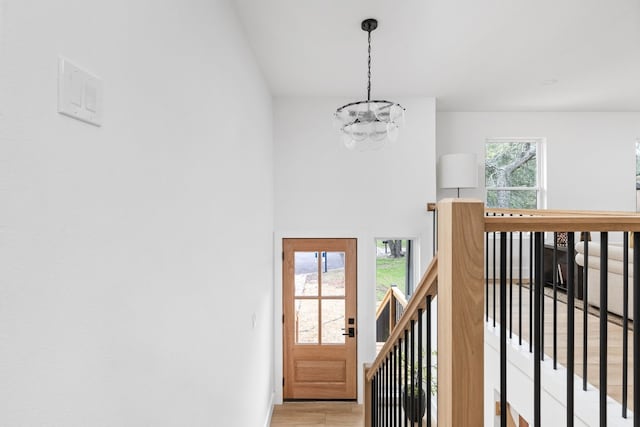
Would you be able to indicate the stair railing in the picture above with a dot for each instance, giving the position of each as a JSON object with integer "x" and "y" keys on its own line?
{"x": 457, "y": 280}
{"x": 389, "y": 312}
{"x": 398, "y": 382}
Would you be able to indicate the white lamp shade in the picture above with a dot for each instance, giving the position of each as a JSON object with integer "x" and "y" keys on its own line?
{"x": 458, "y": 171}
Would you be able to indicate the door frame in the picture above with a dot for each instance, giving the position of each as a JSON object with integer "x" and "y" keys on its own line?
{"x": 366, "y": 304}
{"x": 351, "y": 344}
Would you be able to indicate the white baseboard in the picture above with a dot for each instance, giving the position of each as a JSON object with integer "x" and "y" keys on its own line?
{"x": 267, "y": 422}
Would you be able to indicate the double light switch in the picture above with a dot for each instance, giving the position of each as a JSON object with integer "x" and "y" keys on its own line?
{"x": 79, "y": 93}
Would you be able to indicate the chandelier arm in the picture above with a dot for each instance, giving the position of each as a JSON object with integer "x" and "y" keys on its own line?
{"x": 374, "y": 101}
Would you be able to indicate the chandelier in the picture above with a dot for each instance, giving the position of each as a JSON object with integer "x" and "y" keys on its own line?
{"x": 368, "y": 125}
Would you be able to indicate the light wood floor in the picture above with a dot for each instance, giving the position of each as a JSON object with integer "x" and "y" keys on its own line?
{"x": 318, "y": 414}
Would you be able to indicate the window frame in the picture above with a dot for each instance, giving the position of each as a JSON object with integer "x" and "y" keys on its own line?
{"x": 540, "y": 187}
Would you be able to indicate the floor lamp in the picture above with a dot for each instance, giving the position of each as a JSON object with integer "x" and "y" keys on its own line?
{"x": 458, "y": 171}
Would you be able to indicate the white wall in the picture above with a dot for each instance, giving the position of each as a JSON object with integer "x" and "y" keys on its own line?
{"x": 134, "y": 255}
{"x": 590, "y": 156}
{"x": 324, "y": 190}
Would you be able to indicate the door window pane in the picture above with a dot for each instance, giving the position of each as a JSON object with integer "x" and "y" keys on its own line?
{"x": 306, "y": 273}
{"x": 333, "y": 278}
{"x": 333, "y": 321}
{"x": 306, "y": 326}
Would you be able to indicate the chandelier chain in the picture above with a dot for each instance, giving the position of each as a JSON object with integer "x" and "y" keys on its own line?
{"x": 369, "y": 69}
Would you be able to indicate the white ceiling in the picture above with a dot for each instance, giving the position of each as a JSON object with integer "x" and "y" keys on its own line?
{"x": 472, "y": 55}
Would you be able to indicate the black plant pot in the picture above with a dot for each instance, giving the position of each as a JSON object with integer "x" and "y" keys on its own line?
{"x": 416, "y": 406}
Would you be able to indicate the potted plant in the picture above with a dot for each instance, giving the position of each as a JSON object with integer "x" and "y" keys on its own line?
{"x": 414, "y": 404}
{"x": 414, "y": 400}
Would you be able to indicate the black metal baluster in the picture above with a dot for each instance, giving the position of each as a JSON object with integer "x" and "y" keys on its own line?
{"x": 531, "y": 283}
{"x": 520, "y": 289}
{"x": 379, "y": 421}
{"x": 393, "y": 387}
{"x": 398, "y": 385}
{"x": 381, "y": 397}
{"x": 510, "y": 285}
{"x": 494, "y": 277}
{"x": 379, "y": 417}
{"x": 385, "y": 405}
{"x": 412, "y": 371}
{"x": 542, "y": 281}
{"x": 570, "y": 329}
{"x": 374, "y": 400}
{"x": 585, "y": 312}
{"x": 486, "y": 274}
{"x": 420, "y": 356}
{"x": 604, "y": 254}
{"x": 389, "y": 390}
{"x": 387, "y": 408}
{"x": 555, "y": 300}
{"x": 503, "y": 329}
{"x": 636, "y": 328}
{"x": 539, "y": 248}
{"x": 625, "y": 322}
{"x": 428, "y": 361}
{"x": 406, "y": 367}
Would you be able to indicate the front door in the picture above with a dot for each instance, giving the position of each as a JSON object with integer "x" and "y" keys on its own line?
{"x": 319, "y": 323}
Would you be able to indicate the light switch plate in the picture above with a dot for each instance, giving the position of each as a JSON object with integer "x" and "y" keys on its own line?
{"x": 79, "y": 93}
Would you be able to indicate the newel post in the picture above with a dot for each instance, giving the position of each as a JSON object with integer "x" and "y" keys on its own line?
{"x": 368, "y": 395}
{"x": 460, "y": 313}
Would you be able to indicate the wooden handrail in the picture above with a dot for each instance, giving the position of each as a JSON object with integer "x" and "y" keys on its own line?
{"x": 557, "y": 212}
{"x": 431, "y": 207}
{"x": 396, "y": 293}
{"x": 560, "y": 223}
{"x": 428, "y": 286}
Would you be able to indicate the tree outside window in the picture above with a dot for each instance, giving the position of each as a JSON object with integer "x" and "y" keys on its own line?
{"x": 512, "y": 171}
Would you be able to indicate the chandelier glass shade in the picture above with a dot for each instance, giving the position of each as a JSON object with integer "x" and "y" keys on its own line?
{"x": 368, "y": 125}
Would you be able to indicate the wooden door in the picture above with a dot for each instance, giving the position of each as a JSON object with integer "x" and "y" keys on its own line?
{"x": 319, "y": 306}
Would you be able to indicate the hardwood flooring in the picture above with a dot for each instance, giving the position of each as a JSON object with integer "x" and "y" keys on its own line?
{"x": 318, "y": 414}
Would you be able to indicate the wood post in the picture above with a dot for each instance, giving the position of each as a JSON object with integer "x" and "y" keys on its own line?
{"x": 392, "y": 312}
{"x": 367, "y": 395}
{"x": 460, "y": 313}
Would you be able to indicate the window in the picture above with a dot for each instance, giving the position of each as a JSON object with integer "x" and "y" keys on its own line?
{"x": 513, "y": 177}
{"x": 394, "y": 268}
